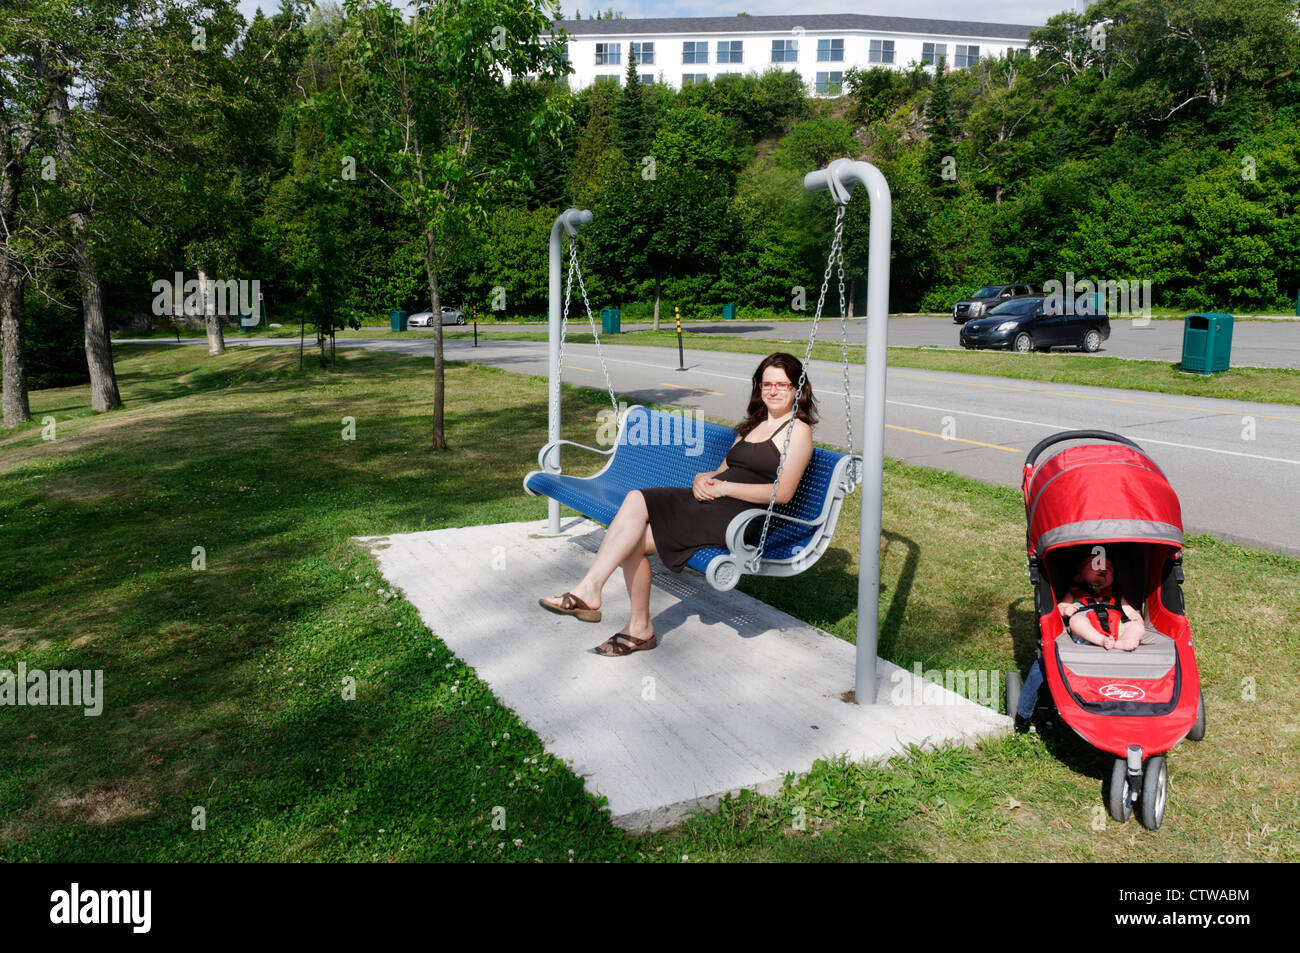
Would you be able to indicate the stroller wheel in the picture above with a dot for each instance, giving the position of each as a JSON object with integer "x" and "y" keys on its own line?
{"x": 1155, "y": 791}
{"x": 1198, "y": 729}
{"x": 1013, "y": 692}
{"x": 1119, "y": 797}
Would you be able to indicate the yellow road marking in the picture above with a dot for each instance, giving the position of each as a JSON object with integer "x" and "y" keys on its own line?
{"x": 978, "y": 443}
{"x": 575, "y": 367}
{"x": 698, "y": 390}
{"x": 1112, "y": 400}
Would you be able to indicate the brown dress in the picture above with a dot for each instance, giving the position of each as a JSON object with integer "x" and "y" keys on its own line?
{"x": 682, "y": 525}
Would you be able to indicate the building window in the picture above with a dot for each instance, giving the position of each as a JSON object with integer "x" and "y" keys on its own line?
{"x": 830, "y": 84}
{"x": 730, "y": 51}
{"x": 832, "y": 51}
{"x": 613, "y": 79}
{"x": 695, "y": 51}
{"x": 646, "y": 79}
{"x": 609, "y": 54}
{"x": 880, "y": 51}
{"x": 933, "y": 52}
{"x": 690, "y": 79}
{"x": 1016, "y": 53}
{"x": 645, "y": 53}
{"x": 966, "y": 56}
{"x": 785, "y": 51}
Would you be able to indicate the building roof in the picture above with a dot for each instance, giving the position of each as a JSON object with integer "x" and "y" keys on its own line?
{"x": 783, "y": 24}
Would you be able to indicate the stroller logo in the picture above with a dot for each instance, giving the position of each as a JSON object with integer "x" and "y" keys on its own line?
{"x": 1125, "y": 693}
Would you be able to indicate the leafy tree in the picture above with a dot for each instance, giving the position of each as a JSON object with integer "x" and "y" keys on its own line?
{"x": 22, "y": 107}
{"x": 812, "y": 144}
{"x": 423, "y": 99}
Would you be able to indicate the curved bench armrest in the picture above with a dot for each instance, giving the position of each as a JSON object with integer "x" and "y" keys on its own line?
{"x": 740, "y": 522}
{"x": 555, "y": 445}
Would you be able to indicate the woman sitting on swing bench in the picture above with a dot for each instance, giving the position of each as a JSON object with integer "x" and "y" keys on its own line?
{"x": 676, "y": 522}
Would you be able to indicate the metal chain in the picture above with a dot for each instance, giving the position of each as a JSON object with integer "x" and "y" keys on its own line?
{"x": 837, "y": 254}
{"x": 564, "y": 319}
{"x": 855, "y": 471}
{"x": 573, "y": 267}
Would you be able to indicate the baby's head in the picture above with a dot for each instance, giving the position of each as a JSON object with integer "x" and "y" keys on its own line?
{"x": 1096, "y": 572}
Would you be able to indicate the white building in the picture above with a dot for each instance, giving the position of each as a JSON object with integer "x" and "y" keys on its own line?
{"x": 680, "y": 51}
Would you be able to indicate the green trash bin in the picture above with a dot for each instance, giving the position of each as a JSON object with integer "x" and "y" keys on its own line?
{"x": 1207, "y": 342}
{"x": 729, "y": 312}
{"x": 610, "y": 321}
{"x": 399, "y": 320}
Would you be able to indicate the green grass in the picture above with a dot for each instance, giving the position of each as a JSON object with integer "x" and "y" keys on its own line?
{"x": 224, "y": 685}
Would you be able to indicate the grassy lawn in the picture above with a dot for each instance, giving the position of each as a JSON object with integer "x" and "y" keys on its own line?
{"x": 223, "y": 685}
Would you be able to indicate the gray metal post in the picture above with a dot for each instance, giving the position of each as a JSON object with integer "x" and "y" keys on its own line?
{"x": 840, "y": 177}
{"x": 570, "y": 220}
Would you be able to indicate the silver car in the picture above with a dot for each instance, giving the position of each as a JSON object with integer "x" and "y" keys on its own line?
{"x": 424, "y": 319}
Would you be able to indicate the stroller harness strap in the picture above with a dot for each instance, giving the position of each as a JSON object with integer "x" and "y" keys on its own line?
{"x": 1103, "y": 607}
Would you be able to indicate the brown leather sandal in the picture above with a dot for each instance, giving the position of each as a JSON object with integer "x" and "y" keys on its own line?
{"x": 572, "y": 605}
{"x": 625, "y": 647}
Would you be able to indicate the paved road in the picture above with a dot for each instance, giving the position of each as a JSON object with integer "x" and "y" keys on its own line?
{"x": 1235, "y": 465}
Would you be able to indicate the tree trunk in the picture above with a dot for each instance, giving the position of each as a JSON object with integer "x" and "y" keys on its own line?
{"x": 211, "y": 320}
{"x": 99, "y": 349}
{"x": 439, "y": 437}
{"x": 656, "y": 302}
{"x": 12, "y": 153}
{"x": 16, "y": 409}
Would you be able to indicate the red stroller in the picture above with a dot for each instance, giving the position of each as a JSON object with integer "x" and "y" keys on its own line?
{"x": 1106, "y": 498}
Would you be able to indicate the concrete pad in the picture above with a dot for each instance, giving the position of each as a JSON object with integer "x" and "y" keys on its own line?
{"x": 737, "y": 694}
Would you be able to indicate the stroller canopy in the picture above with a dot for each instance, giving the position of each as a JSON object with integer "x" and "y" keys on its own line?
{"x": 1101, "y": 491}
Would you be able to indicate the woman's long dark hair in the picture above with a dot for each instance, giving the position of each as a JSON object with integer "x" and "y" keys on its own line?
{"x": 756, "y": 413}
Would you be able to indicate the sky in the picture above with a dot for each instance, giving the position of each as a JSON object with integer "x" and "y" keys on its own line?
{"x": 1033, "y": 12}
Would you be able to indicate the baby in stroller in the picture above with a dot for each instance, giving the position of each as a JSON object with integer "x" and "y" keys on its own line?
{"x": 1091, "y": 601}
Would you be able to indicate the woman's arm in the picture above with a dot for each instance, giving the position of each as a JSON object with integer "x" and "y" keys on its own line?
{"x": 797, "y": 459}
{"x": 700, "y": 486}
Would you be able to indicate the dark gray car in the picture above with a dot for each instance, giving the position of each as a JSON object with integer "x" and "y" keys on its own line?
{"x": 1029, "y": 325}
{"x": 988, "y": 297}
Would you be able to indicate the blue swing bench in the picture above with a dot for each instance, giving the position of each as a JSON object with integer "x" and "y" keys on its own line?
{"x": 650, "y": 452}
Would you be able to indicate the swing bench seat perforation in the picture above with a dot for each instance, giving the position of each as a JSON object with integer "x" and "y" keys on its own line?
{"x": 800, "y": 531}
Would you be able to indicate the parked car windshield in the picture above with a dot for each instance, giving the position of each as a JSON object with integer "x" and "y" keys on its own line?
{"x": 1017, "y": 306}
{"x": 988, "y": 292}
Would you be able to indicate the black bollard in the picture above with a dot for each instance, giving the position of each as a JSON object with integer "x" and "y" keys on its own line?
{"x": 681, "y": 358}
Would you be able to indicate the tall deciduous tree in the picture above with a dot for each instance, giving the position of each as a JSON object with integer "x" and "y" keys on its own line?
{"x": 21, "y": 112}
{"x": 124, "y": 80}
{"x": 427, "y": 99}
